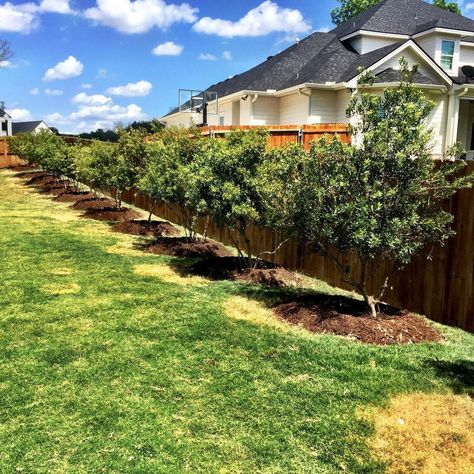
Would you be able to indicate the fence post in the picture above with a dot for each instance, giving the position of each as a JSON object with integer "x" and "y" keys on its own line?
{"x": 300, "y": 136}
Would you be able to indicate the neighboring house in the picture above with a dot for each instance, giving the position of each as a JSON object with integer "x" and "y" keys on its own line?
{"x": 35, "y": 126}
{"x": 5, "y": 123}
{"x": 311, "y": 81}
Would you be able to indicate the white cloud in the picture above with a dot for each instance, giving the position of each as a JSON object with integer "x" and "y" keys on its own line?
{"x": 95, "y": 112}
{"x": 66, "y": 69}
{"x": 267, "y": 18}
{"x": 53, "y": 92}
{"x": 207, "y": 57}
{"x": 7, "y": 65}
{"x": 34, "y": 91}
{"x": 55, "y": 6}
{"x": 137, "y": 89}
{"x": 20, "y": 115}
{"x": 18, "y": 18}
{"x": 86, "y": 86}
{"x": 227, "y": 55}
{"x": 168, "y": 49}
{"x": 96, "y": 99}
{"x": 139, "y": 16}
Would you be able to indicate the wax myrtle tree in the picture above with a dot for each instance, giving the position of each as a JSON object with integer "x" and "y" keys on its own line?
{"x": 168, "y": 175}
{"x": 382, "y": 199}
{"x": 284, "y": 189}
{"x": 94, "y": 165}
{"x": 226, "y": 174}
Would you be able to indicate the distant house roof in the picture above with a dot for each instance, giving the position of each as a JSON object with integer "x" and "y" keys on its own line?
{"x": 406, "y": 17}
{"x": 25, "y": 127}
{"x": 3, "y": 113}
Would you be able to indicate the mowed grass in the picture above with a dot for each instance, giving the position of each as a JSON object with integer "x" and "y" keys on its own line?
{"x": 112, "y": 363}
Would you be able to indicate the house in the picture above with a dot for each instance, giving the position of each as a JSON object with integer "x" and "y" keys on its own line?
{"x": 35, "y": 126}
{"x": 5, "y": 122}
{"x": 311, "y": 81}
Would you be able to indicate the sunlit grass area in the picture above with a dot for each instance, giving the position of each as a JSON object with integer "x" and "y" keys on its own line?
{"x": 113, "y": 361}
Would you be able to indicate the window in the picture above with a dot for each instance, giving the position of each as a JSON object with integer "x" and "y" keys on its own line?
{"x": 221, "y": 120}
{"x": 447, "y": 54}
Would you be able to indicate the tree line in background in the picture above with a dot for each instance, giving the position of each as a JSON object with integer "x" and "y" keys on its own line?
{"x": 351, "y": 8}
{"x": 380, "y": 199}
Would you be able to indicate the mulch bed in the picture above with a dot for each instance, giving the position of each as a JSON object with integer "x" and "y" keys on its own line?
{"x": 72, "y": 195}
{"x": 39, "y": 179}
{"x": 230, "y": 268}
{"x": 183, "y": 247}
{"x": 91, "y": 203}
{"x": 111, "y": 214}
{"x": 349, "y": 317}
{"x": 145, "y": 228}
{"x": 21, "y": 168}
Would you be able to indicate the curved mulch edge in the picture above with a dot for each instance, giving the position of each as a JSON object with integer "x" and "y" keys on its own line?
{"x": 184, "y": 248}
{"x": 349, "y": 317}
{"x": 230, "y": 268}
{"x": 145, "y": 228}
{"x": 111, "y": 214}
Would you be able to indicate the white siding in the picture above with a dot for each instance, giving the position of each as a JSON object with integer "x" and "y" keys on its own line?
{"x": 246, "y": 111}
{"x": 225, "y": 111}
{"x": 294, "y": 109}
{"x": 438, "y": 123}
{"x": 412, "y": 58}
{"x": 428, "y": 43}
{"x": 266, "y": 111}
{"x": 342, "y": 98}
{"x": 324, "y": 107}
{"x": 183, "y": 120}
{"x": 466, "y": 56}
{"x": 364, "y": 44}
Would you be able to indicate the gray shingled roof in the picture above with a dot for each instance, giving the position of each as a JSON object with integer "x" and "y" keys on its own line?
{"x": 25, "y": 127}
{"x": 322, "y": 57}
{"x": 390, "y": 75}
{"x": 405, "y": 17}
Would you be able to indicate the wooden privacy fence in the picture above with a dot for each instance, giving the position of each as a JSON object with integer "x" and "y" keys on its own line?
{"x": 280, "y": 135}
{"x": 7, "y": 160}
{"x": 441, "y": 286}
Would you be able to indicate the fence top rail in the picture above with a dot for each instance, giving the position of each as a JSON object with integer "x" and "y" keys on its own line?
{"x": 317, "y": 128}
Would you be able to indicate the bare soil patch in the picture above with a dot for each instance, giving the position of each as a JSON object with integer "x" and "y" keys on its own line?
{"x": 111, "y": 214}
{"x": 145, "y": 228}
{"x": 72, "y": 195}
{"x": 21, "y": 168}
{"x": 186, "y": 248}
{"x": 230, "y": 268}
{"x": 349, "y": 317}
{"x": 91, "y": 203}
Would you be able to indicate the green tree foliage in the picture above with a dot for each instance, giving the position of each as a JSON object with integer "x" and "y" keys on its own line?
{"x": 351, "y": 8}
{"x": 451, "y": 6}
{"x": 226, "y": 175}
{"x": 149, "y": 126}
{"x": 382, "y": 198}
{"x": 168, "y": 175}
{"x": 102, "y": 135}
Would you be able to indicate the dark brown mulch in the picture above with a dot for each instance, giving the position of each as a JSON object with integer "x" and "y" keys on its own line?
{"x": 185, "y": 248}
{"x": 111, "y": 214}
{"x": 21, "y": 168}
{"x": 39, "y": 179}
{"x": 72, "y": 195}
{"x": 54, "y": 188}
{"x": 91, "y": 203}
{"x": 145, "y": 228}
{"x": 230, "y": 268}
{"x": 349, "y": 317}
{"x": 29, "y": 174}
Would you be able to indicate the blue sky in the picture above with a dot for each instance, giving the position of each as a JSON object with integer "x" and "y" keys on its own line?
{"x": 86, "y": 64}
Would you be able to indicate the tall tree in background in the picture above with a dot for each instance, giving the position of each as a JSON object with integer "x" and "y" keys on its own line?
{"x": 5, "y": 51}
{"x": 350, "y": 8}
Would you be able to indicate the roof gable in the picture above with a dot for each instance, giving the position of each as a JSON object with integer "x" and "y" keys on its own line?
{"x": 405, "y": 17}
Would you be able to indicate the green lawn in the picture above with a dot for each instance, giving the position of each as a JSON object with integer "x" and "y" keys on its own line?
{"x": 109, "y": 363}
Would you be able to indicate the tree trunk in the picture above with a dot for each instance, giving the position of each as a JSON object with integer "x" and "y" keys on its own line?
{"x": 370, "y": 300}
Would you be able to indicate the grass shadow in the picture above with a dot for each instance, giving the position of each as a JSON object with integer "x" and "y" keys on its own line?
{"x": 459, "y": 375}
